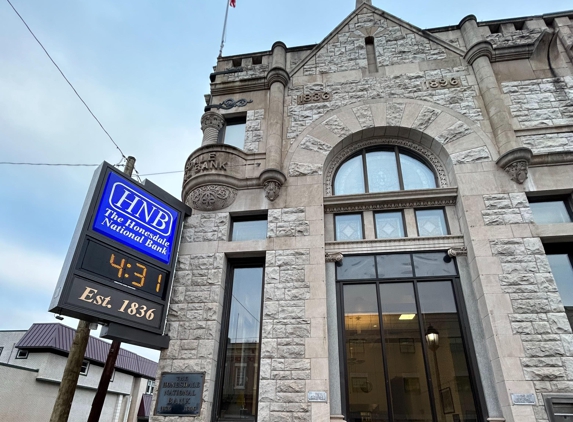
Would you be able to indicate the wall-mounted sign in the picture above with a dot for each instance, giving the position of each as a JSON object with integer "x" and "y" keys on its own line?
{"x": 316, "y": 396}
{"x": 523, "y": 399}
{"x": 121, "y": 259}
{"x": 180, "y": 394}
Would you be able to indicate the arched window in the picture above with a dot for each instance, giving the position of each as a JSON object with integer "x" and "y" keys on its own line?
{"x": 382, "y": 170}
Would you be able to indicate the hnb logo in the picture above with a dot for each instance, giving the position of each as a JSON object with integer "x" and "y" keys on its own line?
{"x": 127, "y": 201}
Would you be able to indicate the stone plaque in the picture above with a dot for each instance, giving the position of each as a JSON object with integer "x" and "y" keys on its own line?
{"x": 180, "y": 394}
{"x": 317, "y": 396}
{"x": 523, "y": 399}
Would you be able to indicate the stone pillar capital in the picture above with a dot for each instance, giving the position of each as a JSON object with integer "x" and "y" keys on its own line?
{"x": 479, "y": 49}
{"x": 212, "y": 119}
{"x": 277, "y": 74}
{"x": 516, "y": 163}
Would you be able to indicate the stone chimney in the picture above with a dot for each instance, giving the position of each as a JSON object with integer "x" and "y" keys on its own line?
{"x": 359, "y": 2}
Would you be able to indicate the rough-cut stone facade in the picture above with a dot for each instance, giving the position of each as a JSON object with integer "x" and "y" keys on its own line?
{"x": 480, "y": 104}
{"x": 541, "y": 102}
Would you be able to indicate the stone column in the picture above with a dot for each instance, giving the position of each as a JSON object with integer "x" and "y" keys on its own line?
{"x": 277, "y": 79}
{"x": 211, "y": 124}
{"x": 514, "y": 158}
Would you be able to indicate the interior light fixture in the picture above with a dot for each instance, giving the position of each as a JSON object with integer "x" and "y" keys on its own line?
{"x": 407, "y": 317}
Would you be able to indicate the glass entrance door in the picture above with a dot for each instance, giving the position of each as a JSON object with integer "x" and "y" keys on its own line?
{"x": 403, "y": 351}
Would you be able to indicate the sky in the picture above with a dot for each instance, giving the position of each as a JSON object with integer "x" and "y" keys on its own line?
{"x": 143, "y": 67}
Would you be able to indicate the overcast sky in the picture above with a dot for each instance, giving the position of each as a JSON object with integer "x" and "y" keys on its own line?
{"x": 143, "y": 67}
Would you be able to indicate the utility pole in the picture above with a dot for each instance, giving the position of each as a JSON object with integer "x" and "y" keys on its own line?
{"x": 67, "y": 389}
{"x": 99, "y": 399}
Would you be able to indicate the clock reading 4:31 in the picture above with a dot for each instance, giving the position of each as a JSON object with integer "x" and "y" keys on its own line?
{"x": 141, "y": 277}
{"x": 121, "y": 268}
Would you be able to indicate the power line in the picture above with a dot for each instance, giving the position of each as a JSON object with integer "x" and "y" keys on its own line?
{"x": 164, "y": 172}
{"x": 47, "y": 164}
{"x": 69, "y": 83}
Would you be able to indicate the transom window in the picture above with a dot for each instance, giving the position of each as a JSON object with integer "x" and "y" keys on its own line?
{"x": 382, "y": 170}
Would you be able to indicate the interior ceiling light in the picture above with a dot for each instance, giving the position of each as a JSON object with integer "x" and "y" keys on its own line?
{"x": 407, "y": 316}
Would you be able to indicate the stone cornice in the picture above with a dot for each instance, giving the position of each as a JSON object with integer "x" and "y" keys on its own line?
{"x": 420, "y": 198}
{"x": 238, "y": 87}
{"x": 405, "y": 244}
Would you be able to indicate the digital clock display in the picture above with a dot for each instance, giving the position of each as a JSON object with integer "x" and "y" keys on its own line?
{"x": 124, "y": 269}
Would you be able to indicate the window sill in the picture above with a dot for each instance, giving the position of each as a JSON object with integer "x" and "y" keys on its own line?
{"x": 406, "y": 244}
{"x": 420, "y": 198}
{"x": 558, "y": 232}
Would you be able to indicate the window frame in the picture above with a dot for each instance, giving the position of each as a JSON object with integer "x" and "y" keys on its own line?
{"x": 233, "y": 121}
{"x": 465, "y": 329}
{"x": 85, "y": 371}
{"x": 363, "y": 228}
{"x": 448, "y": 229}
{"x": 22, "y": 354}
{"x": 397, "y": 151}
{"x": 404, "y": 225}
{"x": 567, "y": 201}
{"x": 247, "y": 217}
{"x": 225, "y": 320}
{"x": 150, "y": 387}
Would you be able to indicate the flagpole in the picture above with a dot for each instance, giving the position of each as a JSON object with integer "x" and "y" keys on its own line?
{"x": 224, "y": 29}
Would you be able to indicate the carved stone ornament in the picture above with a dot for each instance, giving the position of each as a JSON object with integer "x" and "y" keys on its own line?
{"x": 272, "y": 190}
{"x": 211, "y": 197}
{"x": 351, "y": 149}
{"x": 516, "y": 163}
{"x": 212, "y": 119}
{"x": 229, "y": 104}
{"x": 453, "y": 252}
{"x": 333, "y": 256}
{"x": 518, "y": 171}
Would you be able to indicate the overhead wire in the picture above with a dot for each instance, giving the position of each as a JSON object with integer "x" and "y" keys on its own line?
{"x": 47, "y": 164}
{"x": 67, "y": 80}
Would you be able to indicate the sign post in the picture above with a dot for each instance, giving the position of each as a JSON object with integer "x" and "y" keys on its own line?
{"x": 119, "y": 267}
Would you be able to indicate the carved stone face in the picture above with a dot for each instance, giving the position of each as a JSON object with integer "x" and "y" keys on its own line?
{"x": 272, "y": 190}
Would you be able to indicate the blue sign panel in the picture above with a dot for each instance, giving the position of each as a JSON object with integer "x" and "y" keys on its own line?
{"x": 134, "y": 218}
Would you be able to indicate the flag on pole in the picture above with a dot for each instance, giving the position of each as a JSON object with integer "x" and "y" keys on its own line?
{"x": 233, "y": 3}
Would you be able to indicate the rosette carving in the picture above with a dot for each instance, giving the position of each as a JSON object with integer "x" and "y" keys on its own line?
{"x": 211, "y": 197}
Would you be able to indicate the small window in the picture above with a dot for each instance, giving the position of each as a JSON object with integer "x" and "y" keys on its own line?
{"x": 348, "y": 227}
{"x": 22, "y": 354}
{"x": 249, "y": 228}
{"x": 150, "y": 387}
{"x": 234, "y": 133}
{"x": 389, "y": 224}
{"x": 551, "y": 211}
{"x": 240, "y": 375}
{"x": 431, "y": 222}
{"x": 560, "y": 257}
{"x": 85, "y": 368}
{"x": 1, "y": 349}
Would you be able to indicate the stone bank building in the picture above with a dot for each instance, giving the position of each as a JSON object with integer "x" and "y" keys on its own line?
{"x": 382, "y": 227}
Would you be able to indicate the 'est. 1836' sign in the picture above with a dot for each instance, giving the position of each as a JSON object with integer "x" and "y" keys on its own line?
{"x": 121, "y": 258}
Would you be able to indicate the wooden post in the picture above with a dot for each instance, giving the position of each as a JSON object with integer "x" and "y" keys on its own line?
{"x": 63, "y": 404}
{"x": 99, "y": 399}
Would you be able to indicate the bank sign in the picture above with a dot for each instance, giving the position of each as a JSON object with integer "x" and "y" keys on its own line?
{"x": 136, "y": 219}
{"x": 121, "y": 260}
